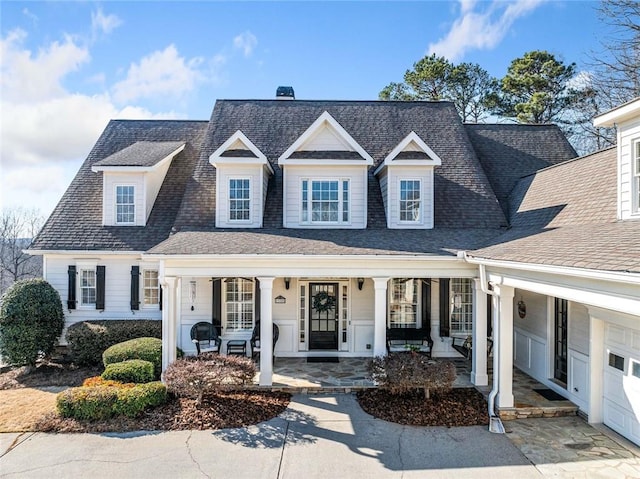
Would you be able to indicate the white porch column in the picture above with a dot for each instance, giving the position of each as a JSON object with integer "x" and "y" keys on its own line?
{"x": 380, "y": 317}
{"x": 505, "y": 345}
{"x": 596, "y": 369}
{"x": 479, "y": 358}
{"x": 169, "y": 320}
{"x": 266, "y": 331}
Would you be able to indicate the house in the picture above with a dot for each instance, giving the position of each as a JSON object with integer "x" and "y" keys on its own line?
{"x": 339, "y": 220}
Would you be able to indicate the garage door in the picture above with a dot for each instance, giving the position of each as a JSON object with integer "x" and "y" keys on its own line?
{"x": 622, "y": 381}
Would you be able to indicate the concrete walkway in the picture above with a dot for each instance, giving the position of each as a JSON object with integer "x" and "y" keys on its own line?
{"x": 323, "y": 436}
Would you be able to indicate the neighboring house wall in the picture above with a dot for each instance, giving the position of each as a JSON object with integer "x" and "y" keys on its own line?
{"x": 628, "y": 136}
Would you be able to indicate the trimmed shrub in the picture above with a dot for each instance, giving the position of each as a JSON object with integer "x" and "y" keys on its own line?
{"x": 196, "y": 376}
{"x": 89, "y": 339}
{"x": 400, "y": 373}
{"x": 106, "y": 401}
{"x": 100, "y": 381}
{"x": 31, "y": 321}
{"x": 130, "y": 371}
{"x": 148, "y": 349}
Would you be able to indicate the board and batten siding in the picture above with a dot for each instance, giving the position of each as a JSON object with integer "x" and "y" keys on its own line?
{"x": 257, "y": 177}
{"x": 628, "y": 134}
{"x": 357, "y": 176}
{"x": 394, "y": 175}
{"x": 110, "y": 181}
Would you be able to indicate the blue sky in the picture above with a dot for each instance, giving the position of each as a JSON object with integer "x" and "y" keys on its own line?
{"x": 68, "y": 67}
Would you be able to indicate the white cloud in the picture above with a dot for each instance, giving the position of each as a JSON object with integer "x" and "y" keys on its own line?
{"x": 162, "y": 73}
{"x": 246, "y": 42}
{"x": 480, "y": 26}
{"x": 30, "y": 15}
{"x": 101, "y": 23}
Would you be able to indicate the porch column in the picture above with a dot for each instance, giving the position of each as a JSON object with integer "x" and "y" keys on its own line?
{"x": 505, "y": 345}
{"x": 596, "y": 369}
{"x": 169, "y": 320}
{"x": 380, "y": 317}
{"x": 479, "y": 356}
{"x": 266, "y": 331}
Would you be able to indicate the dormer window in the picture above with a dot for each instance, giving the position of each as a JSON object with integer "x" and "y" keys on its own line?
{"x": 325, "y": 201}
{"x": 410, "y": 204}
{"x": 239, "y": 199}
{"x": 125, "y": 205}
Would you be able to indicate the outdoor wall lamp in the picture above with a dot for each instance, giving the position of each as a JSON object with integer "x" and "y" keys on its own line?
{"x": 192, "y": 293}
{"x": 360, "y": 283}
{"x": 287, "y": 282}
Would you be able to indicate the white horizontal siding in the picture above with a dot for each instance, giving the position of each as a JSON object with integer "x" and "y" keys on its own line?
{"x": 227, "y": 172}
{"x": 629, "y": 133}
{"x": 110, "y": 181}
{"x": 154, "y": 181}
{"x": 394, "y": 175}
{"x": 579, "y": 328}
{"x": 326, "y": 139}
{"x": 385, "y": 192}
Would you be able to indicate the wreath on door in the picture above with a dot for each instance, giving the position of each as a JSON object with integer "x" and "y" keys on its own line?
{"x": 323, "y": 302}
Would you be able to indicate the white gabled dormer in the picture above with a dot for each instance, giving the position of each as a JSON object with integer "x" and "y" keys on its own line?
{"x": 131, "y": 180}
{"x": 325, "y": 178}
{"x": 626, "y": 119}
{"x": 406, "y": 183}
{"x": 241, "y": 183}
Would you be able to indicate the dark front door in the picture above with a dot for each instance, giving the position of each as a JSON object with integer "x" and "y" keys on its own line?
{"x": 560, "y": 341}
{"x": 323, "y": 314}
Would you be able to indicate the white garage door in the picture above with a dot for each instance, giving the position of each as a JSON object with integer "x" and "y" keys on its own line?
{"x": 622, "y": 381}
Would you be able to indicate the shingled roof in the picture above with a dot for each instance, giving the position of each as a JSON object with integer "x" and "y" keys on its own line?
{"x": 141, "y": 153}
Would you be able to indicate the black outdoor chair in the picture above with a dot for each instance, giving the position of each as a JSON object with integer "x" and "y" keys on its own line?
{"x": 205, "y": 336}
{"x": 255, "y": 340}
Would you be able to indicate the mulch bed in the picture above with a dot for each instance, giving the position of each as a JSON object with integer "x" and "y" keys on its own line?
{"x": 46, "y": 375}
{"x": 459, "y": 407}
{"x": 224, "y": 410}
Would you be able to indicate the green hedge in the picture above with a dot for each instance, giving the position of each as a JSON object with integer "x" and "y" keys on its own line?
{"x": 103, "y": 402}
{"x": 130, "y": 371}
{"x": 89, "y": 339}
{"x": 148, "y": 349}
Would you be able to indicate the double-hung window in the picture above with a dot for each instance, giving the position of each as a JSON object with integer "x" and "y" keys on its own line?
{"x": 125, "y": 205}
{"x": 239, "y": 199}
{"x": 410, "y": 201}
{"x": 636, "y": 175}
{"x": 87, "y": 287}
{"x": 461, "y": 307}
{"x": 403, "y": 303}
{"x": 325, "y": 201}
{"x": 239, "y": 304}
{"x": 150, "y": 288}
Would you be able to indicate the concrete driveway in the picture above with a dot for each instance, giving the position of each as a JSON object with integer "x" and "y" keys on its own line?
{"x": 317, "y": 437}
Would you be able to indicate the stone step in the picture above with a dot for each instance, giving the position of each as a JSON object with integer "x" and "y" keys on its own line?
{"x": 525, "y": 412}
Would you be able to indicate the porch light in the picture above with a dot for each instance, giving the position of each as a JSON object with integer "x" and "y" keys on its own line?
{"x": 360, "y": 283}
{"x": 192, "y": 293}
{"x": 287, "y": 282}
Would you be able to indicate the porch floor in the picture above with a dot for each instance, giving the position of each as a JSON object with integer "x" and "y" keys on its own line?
{"x": 298, "y": 376}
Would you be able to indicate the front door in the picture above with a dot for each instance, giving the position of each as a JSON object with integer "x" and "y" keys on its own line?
{"x": 323, "y": 314}
{"x": 560, "y": 340}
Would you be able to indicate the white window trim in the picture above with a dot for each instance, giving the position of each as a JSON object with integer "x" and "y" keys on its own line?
{"x": 115, "y": 205}
{"x": 418, "y": 323}
{"x": 152, "y": 306}
{"x": 225, "y": 311}
{"x": 420, "y": 219}
{"x": 80, "y": 267}
{"x": 340, "y": 181}
{"x": 466, "y": 332}
{"x": 635, "y": 175}
{"x": 247, "y": 221}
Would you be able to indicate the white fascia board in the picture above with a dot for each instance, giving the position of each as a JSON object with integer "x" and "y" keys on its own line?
{"x": 138, "y": 169}
{"x": 216, "y": 157}
{"x": 325, "y": 117}
{"x": 618, "y": 115}
{"x": 413, "y": 136}
{"x": 312, "y": 162}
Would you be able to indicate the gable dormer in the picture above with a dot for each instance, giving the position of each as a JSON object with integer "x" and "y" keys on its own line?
{"x": 241, "y": 183}
{"x": 131, "y": 180}
{"x": 325, "y": 178}
{"x": 626, "y": 119}
{"x": 406, "y": 183}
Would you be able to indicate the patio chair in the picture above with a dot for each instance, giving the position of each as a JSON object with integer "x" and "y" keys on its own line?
{"x": 255, "y": 340}
{"x": 466, "y": 346}
{"x": 205, "y": 336}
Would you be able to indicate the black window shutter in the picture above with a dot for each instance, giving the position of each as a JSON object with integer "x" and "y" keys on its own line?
{"x": 444, "y": 307}
{"x": 426, "y": 306}
{"x": 135, "y": 288}
{"x": 160, "y": 297}
{"x": 71, "y": 296}
{"x": 489, "y": 315}
{"x": 100, "y": 287}
{"x": 257, "y": 301}
{"x": 216, "y": 311}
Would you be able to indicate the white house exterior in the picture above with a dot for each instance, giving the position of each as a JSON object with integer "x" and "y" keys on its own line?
{"x": 338, "y": 221}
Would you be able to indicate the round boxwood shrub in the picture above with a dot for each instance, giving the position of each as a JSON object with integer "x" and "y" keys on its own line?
{"x": 130, "y": 371}
{"x": 149, "y": 349}
{"x": 31, "y": 321}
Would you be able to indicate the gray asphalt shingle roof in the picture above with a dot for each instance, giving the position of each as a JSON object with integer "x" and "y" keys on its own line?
{"x": 141, "y": 153}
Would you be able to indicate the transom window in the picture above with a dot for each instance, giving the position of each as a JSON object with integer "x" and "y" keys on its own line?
{"x": 410, "y": 200}
{"x": 461, "y": 298}
{"x": 325, "y": 201}
{"x": 239, "y": 199}
{"x": 88, "y": 287}
{"x": 636, "y": 175}
{"x": 125, "y": 204}
{"x": 151, "y": 293}
{"x": 239, "y": 304}
{"x": 403, "y": 303}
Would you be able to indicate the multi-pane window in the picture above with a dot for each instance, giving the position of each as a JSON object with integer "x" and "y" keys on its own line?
{"x": 88, "y": 287}
{"x": 239, "y": 304}
{"x": 461, "y": 307}
{"x": 151, "y": 292}
{"x": 636, "y": 175}
{"x": 239, "y": 199}
{"x": 409, "y": 200}
{"x": 325, "y": 201}
{"x": 403, "y": 303}
{"x": 125, "y": 204}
